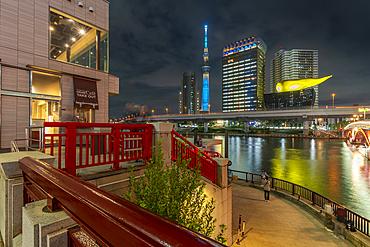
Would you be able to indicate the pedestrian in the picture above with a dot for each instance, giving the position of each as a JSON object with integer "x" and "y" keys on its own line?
{"x": 263, "y": 175}
{"x": 266, "y": 188}
{"x": 229, "y": 173}
{"x": 199, "y": 141}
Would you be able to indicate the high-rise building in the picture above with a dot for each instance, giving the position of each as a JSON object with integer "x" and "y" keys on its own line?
{"x": 292, "y": 65}
{"x": 205, "y": 71}
{"x": 189, "y": 94}
{"x": 243, "y": 75}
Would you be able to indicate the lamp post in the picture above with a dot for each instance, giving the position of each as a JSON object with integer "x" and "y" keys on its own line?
{"x": 333, "y": 98}
{"x": 209, "y": 108}
{"x": 185, "y": 110}
{"x": 166, "y": 110}
{"x": 152, "y": 112}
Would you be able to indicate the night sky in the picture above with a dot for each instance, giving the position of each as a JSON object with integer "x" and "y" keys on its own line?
{"x": 153, "y": 42}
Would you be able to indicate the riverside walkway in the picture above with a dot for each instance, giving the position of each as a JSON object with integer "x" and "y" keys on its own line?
{"x": 278, "y": 222}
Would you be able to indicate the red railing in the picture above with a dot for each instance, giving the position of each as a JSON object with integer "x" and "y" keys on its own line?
{"x": 105, "y": 217}
{"x": 81, "y": 147}
{"x": 213, "y": 154}
{"x": 186, "y": 150}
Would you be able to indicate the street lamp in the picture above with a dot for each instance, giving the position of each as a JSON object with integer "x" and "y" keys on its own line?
{"x": 209, "y": 108}
{"x": 333, "y": 98}
{"x": 166, "y": 110}
{"x": 185, "y": 110}
{"x": 152, "y": 112}
{"x": 364, "y": 110}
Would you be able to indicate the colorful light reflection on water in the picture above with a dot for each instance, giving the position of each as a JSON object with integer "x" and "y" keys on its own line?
{"x": 327, "y": 167}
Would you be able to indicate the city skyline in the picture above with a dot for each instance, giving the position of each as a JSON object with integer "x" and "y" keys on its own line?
{"x": 151, "y": 47}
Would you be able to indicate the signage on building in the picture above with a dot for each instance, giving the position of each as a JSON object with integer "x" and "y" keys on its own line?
{"x": 86, "y": 94}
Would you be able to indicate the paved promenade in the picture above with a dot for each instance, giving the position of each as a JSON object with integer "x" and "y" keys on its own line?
{"x": 278, "y": 222}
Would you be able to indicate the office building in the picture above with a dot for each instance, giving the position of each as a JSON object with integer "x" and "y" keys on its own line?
{"x": 243, "y": 75}
{"x": 54, "y": 64}
{"x": 300, "y": 99}
{"x": 205, "y": 71}
{"x": 292, "y": 65}
{"x": 189, "y": 94}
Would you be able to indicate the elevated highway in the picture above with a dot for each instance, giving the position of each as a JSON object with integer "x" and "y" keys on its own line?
{"x": 299, "y": 115}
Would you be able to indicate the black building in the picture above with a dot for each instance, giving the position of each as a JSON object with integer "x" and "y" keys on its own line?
{"x": 290, "y": 100}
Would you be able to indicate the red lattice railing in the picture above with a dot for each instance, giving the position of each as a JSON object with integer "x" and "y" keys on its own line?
{"x": 186, "y": 150}
{"x": 82, "y": 146}
{"x": 213, "y": 154}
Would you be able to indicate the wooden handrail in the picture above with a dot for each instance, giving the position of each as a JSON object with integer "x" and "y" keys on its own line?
{"x": 109, "y": 219}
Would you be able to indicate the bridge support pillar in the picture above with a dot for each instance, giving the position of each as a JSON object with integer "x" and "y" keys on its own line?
{"x": 246, "y": 127}
{"x": 205, "y": 127}
{"x": 306, "y": 127}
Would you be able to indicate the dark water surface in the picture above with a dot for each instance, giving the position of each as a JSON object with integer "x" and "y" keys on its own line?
{"x": 325, "y": 166}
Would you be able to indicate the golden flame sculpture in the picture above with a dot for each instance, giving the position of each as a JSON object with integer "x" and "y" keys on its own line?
{"x": 294, "y": 85}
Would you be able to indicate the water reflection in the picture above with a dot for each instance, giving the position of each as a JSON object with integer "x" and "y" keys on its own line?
{"x": 325, "y": 166}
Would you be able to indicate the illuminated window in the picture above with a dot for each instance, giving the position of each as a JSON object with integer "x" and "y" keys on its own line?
{"x": 77, "y": 42}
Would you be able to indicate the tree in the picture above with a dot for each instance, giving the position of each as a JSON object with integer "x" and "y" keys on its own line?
{"x": 175, "y": 192}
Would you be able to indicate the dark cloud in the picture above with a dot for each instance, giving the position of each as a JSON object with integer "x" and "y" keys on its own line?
{"x": 153, "y": 42}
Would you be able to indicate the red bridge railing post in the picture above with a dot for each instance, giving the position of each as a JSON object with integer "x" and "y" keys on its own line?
{"x": 70, "y": 163}
{"x": 116, "y": 143}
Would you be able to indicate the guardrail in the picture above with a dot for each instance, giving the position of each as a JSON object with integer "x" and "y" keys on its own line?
{"x": 361, "y": 223}
{"x": 84, "y": 147}
{"x": 107, "y": 218}
{"x": 186, "y": 150}
{"x": 213, "y": 154}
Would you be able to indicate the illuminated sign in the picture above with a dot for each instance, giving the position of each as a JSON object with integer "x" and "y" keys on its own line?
{"x": 294, "y": 85}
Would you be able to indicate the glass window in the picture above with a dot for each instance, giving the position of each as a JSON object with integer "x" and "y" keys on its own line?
{"x": 74, "y": 41}
{"x": 48, "y": 84}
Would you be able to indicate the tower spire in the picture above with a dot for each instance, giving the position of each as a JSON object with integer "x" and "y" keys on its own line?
{"x": 205, "y": 70}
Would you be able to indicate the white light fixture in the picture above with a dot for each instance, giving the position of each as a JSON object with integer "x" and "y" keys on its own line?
{"x": 82, "y": 31}
{"x": 66, "y": 45}
{"x": 51, "y": 28}
{"x": 73, "y": 39}
{"x": 80, "y": 4}
{"x": 91, "y": 9}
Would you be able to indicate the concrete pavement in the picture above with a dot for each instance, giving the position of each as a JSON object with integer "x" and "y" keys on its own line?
{"x": 278, "y": 222}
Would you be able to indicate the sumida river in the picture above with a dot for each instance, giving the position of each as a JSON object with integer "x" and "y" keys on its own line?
{"x": 325, "y": 166}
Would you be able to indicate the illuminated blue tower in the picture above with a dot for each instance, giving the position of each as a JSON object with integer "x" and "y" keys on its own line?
{"x": 205, "y": 70}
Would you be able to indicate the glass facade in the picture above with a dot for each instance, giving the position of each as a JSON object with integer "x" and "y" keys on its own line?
{"x": 296, "y": 99}
{"x": 243, "y": 75}
{"x": 77, "y": 42}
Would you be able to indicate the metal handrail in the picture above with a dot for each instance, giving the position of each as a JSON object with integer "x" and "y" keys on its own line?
{"x": 107, "y": 218}
{"x": 14, "y": 146}
{"x": 361, "y": 223}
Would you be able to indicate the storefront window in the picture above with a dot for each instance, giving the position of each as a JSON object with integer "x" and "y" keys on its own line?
{"x": 75, "y": 41}
{"x": 85, "y": 115}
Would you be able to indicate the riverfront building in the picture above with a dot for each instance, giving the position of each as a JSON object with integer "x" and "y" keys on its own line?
{"x": 292, "y": 65}
{"x": 54, "y": 64}
{"x": 299, "y": 99}
{"x": 189, "y": 94}
{"x": 243, "y": 75}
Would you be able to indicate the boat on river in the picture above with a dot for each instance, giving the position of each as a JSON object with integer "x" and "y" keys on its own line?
{"x": 357, "y": 137}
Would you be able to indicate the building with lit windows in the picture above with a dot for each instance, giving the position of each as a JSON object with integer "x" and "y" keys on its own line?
{"x": 300, "y": 99}
{"x": 292, "y": 65}
{"x": 243, "y": 75}
{"x": 189, "y": 94}
{"x": 54, "y": 64}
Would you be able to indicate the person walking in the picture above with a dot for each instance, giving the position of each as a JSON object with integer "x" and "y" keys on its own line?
{"x": 266, "y": 188}
{"x": 263, "y": 175}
